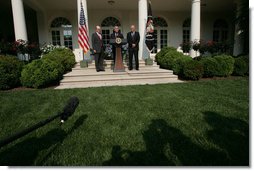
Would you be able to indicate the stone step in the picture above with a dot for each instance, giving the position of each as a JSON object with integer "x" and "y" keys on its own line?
{"x": 114, "y": 78}
{"x": 111, "y": 67}
{"x": 118, "y": 83}
{"x": 110, "y": 73}
{"x": 109, "y": 62}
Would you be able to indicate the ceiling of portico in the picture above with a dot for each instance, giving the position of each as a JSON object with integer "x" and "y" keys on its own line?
{"x": 157, "y": 5}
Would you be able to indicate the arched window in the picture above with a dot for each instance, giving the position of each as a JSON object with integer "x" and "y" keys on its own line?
{"x": 107, "y": 26}
{"x": 110, "y": 22}
{"x": 186, "y": 30}
{"x": 220, "y": 31}
{"x": 160, "y": 33}
{"x": 160, "y": 22}
{"x": 61, "y": 32}
{"x": 60, "y": 22}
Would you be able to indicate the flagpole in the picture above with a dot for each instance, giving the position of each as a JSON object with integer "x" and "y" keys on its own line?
{"x": 84, "y": 2}
{"x": 79, "y": 7}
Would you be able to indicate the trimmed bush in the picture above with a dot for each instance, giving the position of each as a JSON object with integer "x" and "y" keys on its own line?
{"x": 162, "y": 53}
{"x": 210, "y": 67}
{"x": 179, "y": 63}
{"x": 63, "y": 56}
{"x": 225, "y": 65}
{"x": 241, "y": 66}
{"x": 167, "y": 59}
{"x": 10, "y": 71}
{"x": 193, "y": 70}
{"x": 40, "y": 73}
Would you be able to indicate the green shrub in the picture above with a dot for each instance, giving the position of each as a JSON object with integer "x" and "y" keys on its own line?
{"x": 225, "y": 65}
{"x": 241, "y": 67}
{"x": 169, "y": 57}
{"x": 193, "y": 70}
{"x": 40, "y": 73}
{"x": 179, "y": 63}
{"x": 210, "y": 67}
{"x": 10, "y": 71}
{"x": 63, "y": 56}
{"x": 162, "y": 53}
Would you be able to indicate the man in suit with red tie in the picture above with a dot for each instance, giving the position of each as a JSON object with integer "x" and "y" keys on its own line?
{"x": 97, "y": 44}
{"x": 133, "y": 39}
{"x": 116, "y": 34}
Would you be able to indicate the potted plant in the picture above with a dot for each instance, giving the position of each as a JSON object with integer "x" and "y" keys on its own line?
{"x": 84, "y": 64}
{"x": 149, "y": 61}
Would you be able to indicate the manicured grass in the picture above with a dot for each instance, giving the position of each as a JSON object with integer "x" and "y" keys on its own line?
{"x": 197, "y": 123}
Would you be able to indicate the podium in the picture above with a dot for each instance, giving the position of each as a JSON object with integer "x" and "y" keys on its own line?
{"x": 118, "y": 42}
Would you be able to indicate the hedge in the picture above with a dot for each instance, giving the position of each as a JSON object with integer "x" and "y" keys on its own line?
{"x": 179, "y": 63}
{"x": 225, "y": 65}
{"x": 10, "y": 71}
{"x": 167, "y": 58}
{"x": 40, "y": 73}
{"x": 193, "y": 70}
{"x": 162, "y": 53}
{"x": 210, "y": 67}
{"x": 63, "y": 56}
{"x": 241, "y": 66}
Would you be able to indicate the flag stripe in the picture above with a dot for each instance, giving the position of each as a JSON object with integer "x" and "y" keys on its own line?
{"x": 83, "y": 38}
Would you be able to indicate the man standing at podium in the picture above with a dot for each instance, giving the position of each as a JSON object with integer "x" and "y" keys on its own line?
{"x": 133, "y": 39}
{"x": 116, "y": 34}
{"x": 97, "y": 44}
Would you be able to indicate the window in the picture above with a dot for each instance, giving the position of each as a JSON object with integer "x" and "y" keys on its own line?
{"x": 160, "y": 33}
{"x": 108, "y": 25}
{"x": 56, "y": 37}
{"x": 61, "y": 32}
{"x": 220, "y": 31}
{"x": 155, "y": 41}
{"x": 186, "y": 30}
{"x": 164, "y": 38}
{"x": 106, "y": 36}
{"x": 110, "y": 22}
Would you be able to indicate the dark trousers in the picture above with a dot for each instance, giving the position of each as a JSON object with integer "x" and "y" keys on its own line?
{"x": 99, "y": 61}
{"x": 114, "y": 53}
{"x": 133, "y": 51}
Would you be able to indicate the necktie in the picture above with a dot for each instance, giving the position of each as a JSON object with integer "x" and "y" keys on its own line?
{"x": 99, "y": 35}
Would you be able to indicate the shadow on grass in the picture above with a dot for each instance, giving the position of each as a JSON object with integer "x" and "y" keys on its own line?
{"x": 26, "y": 152}
{"x": 231, "y": 135}
{"x": 168, "y": 146}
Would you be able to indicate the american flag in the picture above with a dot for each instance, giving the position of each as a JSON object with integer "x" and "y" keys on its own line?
{"x": 83, "y": 38}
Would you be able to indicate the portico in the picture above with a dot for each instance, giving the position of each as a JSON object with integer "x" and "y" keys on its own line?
{"x": 57, "y": 21}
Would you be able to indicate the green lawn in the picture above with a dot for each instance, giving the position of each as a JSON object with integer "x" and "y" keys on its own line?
{"x": 197, "y": 123}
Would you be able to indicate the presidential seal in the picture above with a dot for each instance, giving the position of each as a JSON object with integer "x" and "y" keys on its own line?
{"x": 118, "y": 40}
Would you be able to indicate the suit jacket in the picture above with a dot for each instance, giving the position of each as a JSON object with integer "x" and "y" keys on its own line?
{"x": 133, "y": 39}
{"x": 97, "y": 43}
{"x": 113, "y": 35}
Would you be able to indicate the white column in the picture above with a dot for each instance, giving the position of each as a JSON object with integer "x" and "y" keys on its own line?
{"x": 238, "y": 38}
{"x": 142, "y": 20}
{"x": 195, "y": 23}
{"x": 19, "y": 19}
{"x": 79, "y": 51}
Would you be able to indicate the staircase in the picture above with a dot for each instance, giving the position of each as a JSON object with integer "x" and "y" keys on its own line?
{"x": 88, "y": 77}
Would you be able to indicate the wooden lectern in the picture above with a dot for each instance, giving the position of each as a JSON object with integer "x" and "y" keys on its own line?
{"x": 118, "y": 42}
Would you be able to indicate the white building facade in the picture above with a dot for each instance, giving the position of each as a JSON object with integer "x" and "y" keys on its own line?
{"x": 176, "y": 21}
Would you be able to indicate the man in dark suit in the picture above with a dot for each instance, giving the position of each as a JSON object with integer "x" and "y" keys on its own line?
{"x": 97, "y": 44}
{"x": 116, "y": 34}
{"x": 133, "y": 39}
